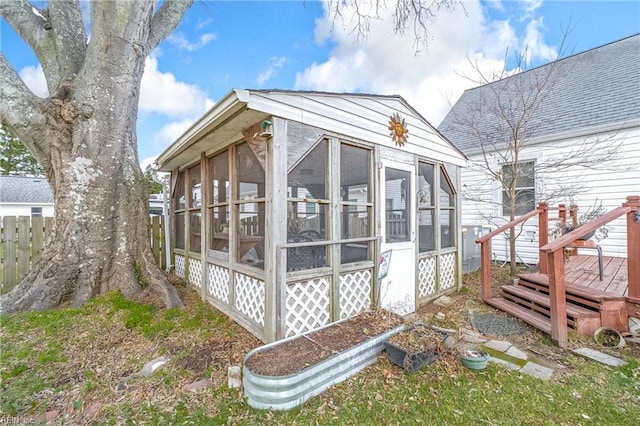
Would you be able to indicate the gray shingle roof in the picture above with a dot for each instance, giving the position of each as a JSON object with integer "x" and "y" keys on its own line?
{"x": 597, "y": 87}
{"x": 20, "y": 189}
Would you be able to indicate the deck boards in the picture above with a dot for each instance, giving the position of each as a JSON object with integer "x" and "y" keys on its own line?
{"x": 582, "y": 270}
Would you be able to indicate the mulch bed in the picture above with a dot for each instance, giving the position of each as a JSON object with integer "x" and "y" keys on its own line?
{"x": 302, "y": 352}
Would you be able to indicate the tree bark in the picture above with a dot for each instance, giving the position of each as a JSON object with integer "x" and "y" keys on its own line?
{"x": 84, "y": 135}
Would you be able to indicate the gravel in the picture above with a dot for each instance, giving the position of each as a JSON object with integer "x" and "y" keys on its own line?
{"x": 492, "y": 324}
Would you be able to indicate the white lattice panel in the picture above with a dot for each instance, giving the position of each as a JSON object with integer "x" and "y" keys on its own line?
{"x": 355, "y": 293}
{"x": 179, "y": 265}
{"x": 426, "y": 276}
{"x": 308, "y": 305}
{"x": 218, "y": 286}
{"x": 447, "y": 271}
{"x": 250, "y": 297}
{"x": 195, "y": 273}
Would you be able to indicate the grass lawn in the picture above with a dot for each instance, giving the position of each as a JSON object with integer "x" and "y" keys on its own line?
{"x": 74, "y": 363}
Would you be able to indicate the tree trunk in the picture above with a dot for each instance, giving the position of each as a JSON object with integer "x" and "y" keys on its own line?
{"x": 99, "y": 240}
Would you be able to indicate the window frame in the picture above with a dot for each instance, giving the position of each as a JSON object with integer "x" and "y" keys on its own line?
{"x": 531, "y": 202}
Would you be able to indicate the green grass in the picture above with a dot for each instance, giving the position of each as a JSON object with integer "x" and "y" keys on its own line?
{"x": 70, "y": 358}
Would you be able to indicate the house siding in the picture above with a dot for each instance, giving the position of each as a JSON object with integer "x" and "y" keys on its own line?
{"x": 610, "y": 185}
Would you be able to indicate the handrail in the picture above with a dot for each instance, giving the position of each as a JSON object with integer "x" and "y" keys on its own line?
{"x": 509, "y": 225}
{"x": 588, "y": 227}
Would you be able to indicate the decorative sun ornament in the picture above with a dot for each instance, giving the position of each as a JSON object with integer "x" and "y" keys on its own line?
{"x": 398, "y": 127}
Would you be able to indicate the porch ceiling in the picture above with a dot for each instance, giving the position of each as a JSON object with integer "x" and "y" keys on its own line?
{"x": 220, "y": 133}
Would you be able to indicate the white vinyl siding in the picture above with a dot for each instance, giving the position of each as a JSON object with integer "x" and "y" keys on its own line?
{"x": 611, "y": 186}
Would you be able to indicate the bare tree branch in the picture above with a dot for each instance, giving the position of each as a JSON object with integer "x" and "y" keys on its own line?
{"x": 29, "y": 22}
{"x": 165, "y": 20}
{"x": 416, "y": 15}
{"x": 69, "y": 36}
{"x": 55, "y": 34}
{"x": 19, "y": 105}
{"x": 22, "y": 111}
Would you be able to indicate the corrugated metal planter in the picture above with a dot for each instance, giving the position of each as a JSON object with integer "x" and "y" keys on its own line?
{"x": 286, "y": 392}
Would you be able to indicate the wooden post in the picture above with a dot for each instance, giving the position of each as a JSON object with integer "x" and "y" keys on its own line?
{"x": 573, "y": 214}
{"x": 562, "y": 213}
{"x": 543, "y": 235}
{"x": 557, "y": 298}
{"x": 485, "y": 268}
{"x": 633, "y": 246}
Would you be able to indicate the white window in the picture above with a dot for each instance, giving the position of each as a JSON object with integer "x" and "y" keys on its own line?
{"x": 525, "y": 185}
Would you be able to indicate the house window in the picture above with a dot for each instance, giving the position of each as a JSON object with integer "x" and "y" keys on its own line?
{"x": 426, "y": 207}
{"x": 179, "y": 206}
{"x": 249, "y": 203}
{"x": 525, "y": 194}
{"x": 36, "y": 211}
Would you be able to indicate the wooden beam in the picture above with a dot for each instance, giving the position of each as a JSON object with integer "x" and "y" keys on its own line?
{"x": 543, "y": 235}
{"x": 557, "y": 299}
{"x": 485, "y": 269}
{"x": 633, "y": 246}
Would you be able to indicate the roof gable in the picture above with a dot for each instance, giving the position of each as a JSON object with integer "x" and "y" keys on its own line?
{"x": 598, "y": 87}
{"x": 360, "y": 116}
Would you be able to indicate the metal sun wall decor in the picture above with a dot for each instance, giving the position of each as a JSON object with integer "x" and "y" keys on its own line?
{"x": 398, "y": 127}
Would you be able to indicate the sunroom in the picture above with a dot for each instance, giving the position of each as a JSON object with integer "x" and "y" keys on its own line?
{"x": 291, "y": 210}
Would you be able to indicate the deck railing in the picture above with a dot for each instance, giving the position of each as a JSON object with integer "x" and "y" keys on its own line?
{"x": 551, "y": 259}
{"x": 554, "y": 254}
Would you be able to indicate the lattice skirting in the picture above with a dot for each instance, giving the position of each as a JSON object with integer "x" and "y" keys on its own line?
{"x": 355, "y": 292}
{"x": 195, "y": 272}
{"x": 426, "y": 277}
{"x": 179, "y": 265}
{"x": 250, "y": 297}
{"x": 308, "y": 305}
{"x": 218, "y": 286}
{"x": 447, "y": 271}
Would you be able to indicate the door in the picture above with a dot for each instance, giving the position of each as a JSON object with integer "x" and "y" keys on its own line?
{"x": 397, "y": 287}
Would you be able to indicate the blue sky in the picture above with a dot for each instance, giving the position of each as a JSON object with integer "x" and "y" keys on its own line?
{"x": 222, "y": 45}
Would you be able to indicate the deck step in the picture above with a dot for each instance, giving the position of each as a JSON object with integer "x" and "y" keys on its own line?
{"x": 541, "y": 303}
{"x": 578, "y": 295}
{"x": 530, "y": 317}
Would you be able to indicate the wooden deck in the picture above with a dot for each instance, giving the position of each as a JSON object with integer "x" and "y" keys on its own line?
{"x": 582, "y": 270}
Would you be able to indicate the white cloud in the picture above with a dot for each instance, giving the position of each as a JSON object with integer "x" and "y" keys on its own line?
{"x": 171, "y": 131}
{"x": 537, "y": 49}
{"x": 273, "y": 66}
{"x": 33, "y": 77}
{"x": 162, "y": 93}
{"x": 178, "y": 39}
{"x": 146, "y": 162}
{"x": 386, "y": 63}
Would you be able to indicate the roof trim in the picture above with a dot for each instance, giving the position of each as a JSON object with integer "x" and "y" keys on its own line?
{"x": 577, "y": 133}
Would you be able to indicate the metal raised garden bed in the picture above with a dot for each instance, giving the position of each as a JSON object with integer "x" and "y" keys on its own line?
{"x": 286, "y": 392}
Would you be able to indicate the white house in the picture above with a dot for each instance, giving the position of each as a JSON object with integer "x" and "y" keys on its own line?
{"x": 593, "y": 105}
{"x": 283, "y": 203}
{"x": 25, "y": 196}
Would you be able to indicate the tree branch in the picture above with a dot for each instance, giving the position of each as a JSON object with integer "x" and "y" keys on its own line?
{"x": 21, "y": 110}
{"x": 69, "y": 36}
{"x": 165, "y": 20}
{"x": 21, "y": 16}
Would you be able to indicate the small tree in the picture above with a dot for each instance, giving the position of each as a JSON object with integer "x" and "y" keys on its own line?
{"x": 500, "y": 117}
{"x": 15, "y": 159}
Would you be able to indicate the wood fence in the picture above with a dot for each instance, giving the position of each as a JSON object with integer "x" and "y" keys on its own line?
{"x": 22, "y": 242}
